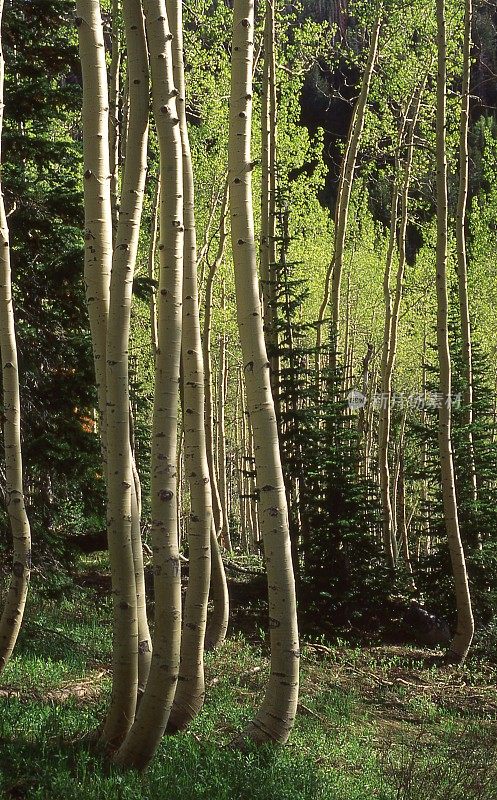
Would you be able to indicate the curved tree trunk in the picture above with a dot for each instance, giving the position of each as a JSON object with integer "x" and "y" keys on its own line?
{"x": 206, "y": 351}
{"x": 465, "y": 624}
{"x": 275, "y": 718}
{"x": 190, "y": 691}
{"x": 151, "y": 269}
{"x": 218, "y": 622}
{"x": 334, "y": 273}
{"x": 153, "y": 711}
{"x": 12, "y": 615}
{"x": 123, "y": 527}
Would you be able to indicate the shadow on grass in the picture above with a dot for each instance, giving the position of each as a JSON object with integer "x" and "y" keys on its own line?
{"x": 42, "y": 755}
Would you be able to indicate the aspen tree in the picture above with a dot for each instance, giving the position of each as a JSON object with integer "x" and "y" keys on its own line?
{"x": 151, "y": 268}
{"x": 126, "y": 556}
{"x": 217, "y": 625}
{"x": 144, "y": 638}
{"x": 218, "y": 622}
{"x": 335, "y": 268}
{"x": 400, "y": 194}
{"x": 276, "y": 716}
{"x": 13, "y": 611}
{"x": 465, "y": 624}
{"x": 221, "y": 437}
{"x": 206, "y": 352}
{"x": 190, "y": 690}
{"x": 153, "y": 711}
{"x": 462, "y": 268}
{"x": 268, "y": 197}
{"x": 114, "y": 114}
{"x": 98, "y": 227}
{"x": 97, "y": 270}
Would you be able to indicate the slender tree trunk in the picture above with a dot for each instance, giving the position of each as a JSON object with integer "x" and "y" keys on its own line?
{"x": 97, "y": 270}
{"x": 392, "y": 316}
{"x": 114, "y": 115}
{"x": 462, "y": 270}
{"x": 269, "y": 275}
{"x": 151, "y": 268}
{"x": 218, "y": 623}
{"x": 125, "y": 555}
{"x": 252, "y": 483}
{"x": 465, "y": 624}
{"x": 153, "y": 711}
{"x": 190, "y": 690}
{"x": 424, "y": 454}
{"x": 402, "y": 523}
{"x": 221, "y": 432}
{"x": 206, "y": 349}
{"x": 13, "y": 611}
{"x": 144, "y": 638}
{"x": 98, "y": 227}
{"x": 275, "y": 718}
{"x": 334, "y": 273}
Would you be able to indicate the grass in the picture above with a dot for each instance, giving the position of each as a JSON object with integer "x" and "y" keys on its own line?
{"x": 378, "y": 722}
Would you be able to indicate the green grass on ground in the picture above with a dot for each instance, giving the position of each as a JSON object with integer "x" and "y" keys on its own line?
{"x": 375, "y": 722}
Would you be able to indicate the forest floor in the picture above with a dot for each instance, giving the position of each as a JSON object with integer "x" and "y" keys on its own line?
{"x": 381, "y": 721}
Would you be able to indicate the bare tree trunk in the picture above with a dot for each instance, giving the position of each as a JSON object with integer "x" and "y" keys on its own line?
{"x": 392, "y": 316}
{"x": 218, "y": 622}
{"x": 151, "y": 268}
{"x": 114, "y": 115}
{"x": 269, "y": 274}
{"x": 275, "y": 718}
{"x": 206, "y": 348}
{"x": 153, "y": 711}
{"x": 465, "y": 624}
{"x": 221, "y": 432}
{"x": 190, "y": 691}
{"x": 334, "y": 273}
{"x": 15, "y": 601}
{"x": 123, "y": 527}
{"x": 462, "y": 270}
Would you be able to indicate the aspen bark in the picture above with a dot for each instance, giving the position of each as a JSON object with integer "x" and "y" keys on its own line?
{"x": 144, "y": 638}
{"x": 221, "y": 432}
{"x": 153, "y": 711}
{"x": 114, "y": 115}
{"x": 276, "y": 716}
{"x": 151, "y": 268}
{"x": 217, "y": 625}
{"x": 98, "y": 222}
{"x": 217, "y": 510}
{"x": 334, "y": 272}
{"x": 218, "y": 622}
{"x": 465, "y": 624}
{"x": 268, "y": 199}
{"x": 392, "y": 316}
{"x": 462, "y": 267}
{"x": 190, "y": 691}
{"x": 15, "y": 601}
{"x": 125, "y": 555}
